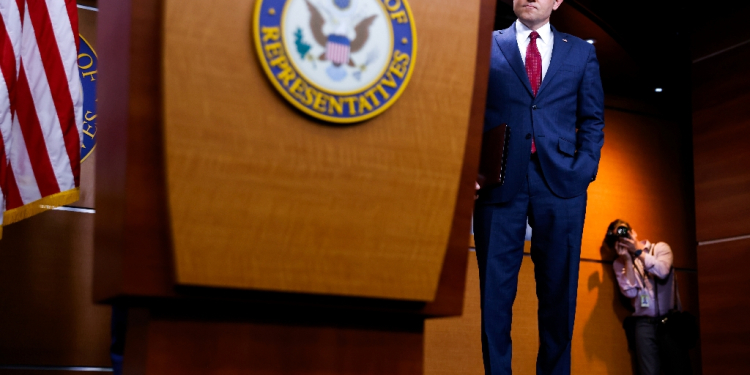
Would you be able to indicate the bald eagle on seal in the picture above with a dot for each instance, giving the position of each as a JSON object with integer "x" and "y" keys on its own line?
{"x": 338, "y": 44}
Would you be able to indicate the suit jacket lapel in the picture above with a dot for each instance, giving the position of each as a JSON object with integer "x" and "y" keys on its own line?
{"x": 506, "y": 40}
{"x": 559, "y": 51}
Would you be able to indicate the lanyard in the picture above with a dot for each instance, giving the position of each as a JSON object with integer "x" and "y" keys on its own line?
{"x": 642, "y": 274}
{"x": 644, "y": 278}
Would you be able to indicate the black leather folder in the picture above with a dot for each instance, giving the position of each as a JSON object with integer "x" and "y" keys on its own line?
{"x": 494, "y": 156}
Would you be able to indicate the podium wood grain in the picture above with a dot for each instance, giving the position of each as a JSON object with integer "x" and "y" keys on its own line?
{"x": 266, "y": 198}
{"x": 160, "y": 342}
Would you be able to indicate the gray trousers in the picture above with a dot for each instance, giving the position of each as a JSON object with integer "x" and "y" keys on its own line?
{"x": 655, "y": 352}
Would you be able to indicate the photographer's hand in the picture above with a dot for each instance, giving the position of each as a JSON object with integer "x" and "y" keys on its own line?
{"x": 630, "y": 245}
{"x": 622, "y": 250}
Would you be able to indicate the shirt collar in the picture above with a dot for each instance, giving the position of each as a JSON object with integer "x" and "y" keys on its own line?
{"x": 523, "y": 31}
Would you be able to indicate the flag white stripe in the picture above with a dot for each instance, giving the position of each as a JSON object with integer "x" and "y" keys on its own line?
{"x": 5, "y": 126}
{"x": 66, "y": 44}
{"x": 45, "y": 108}
{"x": 21, "y": 165}
{"x": 12, "y": 19}
{"x": 6, "y": 120}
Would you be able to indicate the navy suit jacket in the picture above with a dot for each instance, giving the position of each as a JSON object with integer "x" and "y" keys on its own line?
{"x": 566, "y": 118}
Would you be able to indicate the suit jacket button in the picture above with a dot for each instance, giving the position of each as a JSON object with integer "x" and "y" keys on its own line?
{"x": 533, "y": 106}
{"x": 528, "y": 136}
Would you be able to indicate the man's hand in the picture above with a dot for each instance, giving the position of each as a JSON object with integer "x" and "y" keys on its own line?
{"x": 476, "y": 190}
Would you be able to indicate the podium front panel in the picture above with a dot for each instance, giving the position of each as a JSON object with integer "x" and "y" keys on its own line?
{"x": 263, "y": 196}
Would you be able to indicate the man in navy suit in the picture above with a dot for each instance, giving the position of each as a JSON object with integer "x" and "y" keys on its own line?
{"x": 545, "y": 86}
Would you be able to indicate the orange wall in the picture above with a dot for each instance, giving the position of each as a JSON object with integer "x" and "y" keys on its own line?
{"x": 644, "y": 179}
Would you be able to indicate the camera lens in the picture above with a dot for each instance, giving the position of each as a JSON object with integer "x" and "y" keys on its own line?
{"x": 623, "y": 231}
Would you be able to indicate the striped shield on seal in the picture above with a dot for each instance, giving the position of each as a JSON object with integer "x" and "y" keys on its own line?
{"x": 337, "y": 49}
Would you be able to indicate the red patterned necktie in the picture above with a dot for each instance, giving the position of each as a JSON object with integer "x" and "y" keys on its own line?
{"x": 534, "y": 70}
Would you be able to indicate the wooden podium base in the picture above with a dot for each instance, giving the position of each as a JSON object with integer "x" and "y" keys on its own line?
{"x": 169, "y": 341}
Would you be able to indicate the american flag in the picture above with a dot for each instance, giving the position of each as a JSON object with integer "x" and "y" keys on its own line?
{"x": 40, "y": 106}
{"x": 337, "y": 49}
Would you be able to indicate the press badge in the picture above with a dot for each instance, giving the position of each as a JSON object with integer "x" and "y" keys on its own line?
{"x": 645, "y": 298}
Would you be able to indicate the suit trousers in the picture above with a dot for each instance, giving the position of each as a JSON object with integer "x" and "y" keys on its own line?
{"x": 499, "y": 233}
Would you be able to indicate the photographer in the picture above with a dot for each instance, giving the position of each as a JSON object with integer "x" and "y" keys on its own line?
{"x": 644, "y": 274}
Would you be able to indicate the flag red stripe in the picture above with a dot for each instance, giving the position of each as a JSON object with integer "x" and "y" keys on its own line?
{"x": 58, "y": 82}
{"x": 3, "y": 170}
{"x": 73, "y": 17}
{"x": 21, "y": 7}
{"x": 7, "y": 61}
{"x": 12, "y": 194}
{"x": 8, "y": 70}
{"x": 32, "y": 134}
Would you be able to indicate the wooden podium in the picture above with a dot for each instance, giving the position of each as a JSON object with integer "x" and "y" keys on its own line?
{"x": 247, "y": 237}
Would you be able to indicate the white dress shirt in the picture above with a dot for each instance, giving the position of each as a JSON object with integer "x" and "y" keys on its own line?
{"x": 544, "y": 43}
